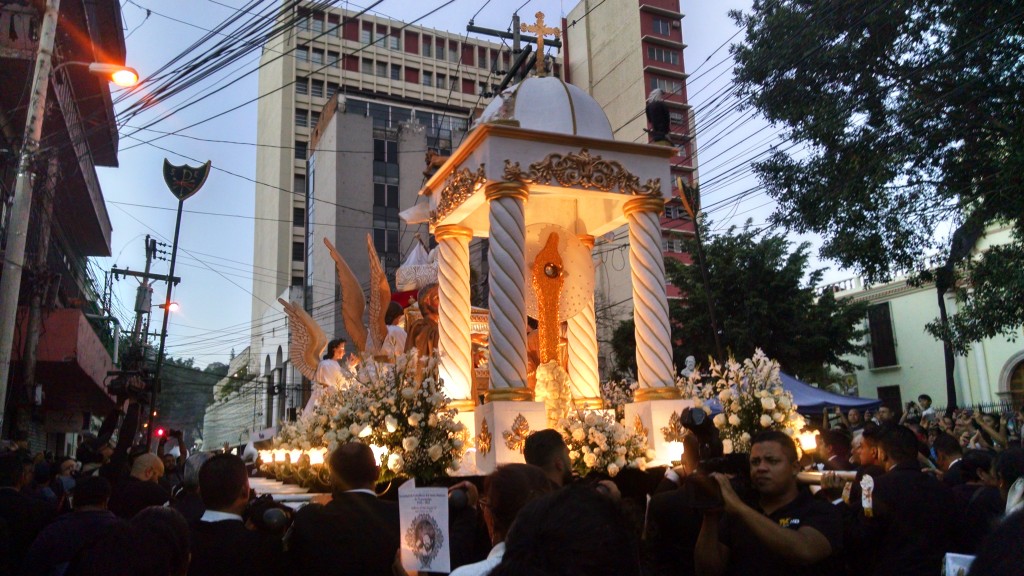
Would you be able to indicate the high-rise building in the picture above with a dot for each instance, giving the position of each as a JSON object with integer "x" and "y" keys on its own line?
{"x": 620, "y": 51}
{"x": 382, "y": 93}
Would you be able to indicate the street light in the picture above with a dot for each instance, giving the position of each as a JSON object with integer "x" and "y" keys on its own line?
{"x": 170, "y": 307}
{"x": 121, "y": 75}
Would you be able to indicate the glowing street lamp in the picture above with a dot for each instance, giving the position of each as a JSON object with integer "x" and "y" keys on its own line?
{"x": 123, "y": 76}
{"x": 170, "y": 306}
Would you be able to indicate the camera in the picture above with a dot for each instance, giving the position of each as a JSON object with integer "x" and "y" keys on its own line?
{"x": 268, "y": 516}
{"x": 696, "y": 420}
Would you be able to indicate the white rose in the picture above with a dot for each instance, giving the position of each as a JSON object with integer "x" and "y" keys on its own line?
{"x": 590, "y": 419}
{"x": 391, "y": 423}
{"x": 589, "y": 460}
{"x": 745, "y": 437}
{"x": 727, "y": 446}
{"x": 457, "y": 443}
{"x": 396, "y": 463}
{"x": 415, "y": 418}
{"x": 578, "y": 435}
{"x": 344, "y": 435}
{"x": 355, "y": 429}
{"x": 723, "y": 396}
{"x": 766, "y": 420}
{"x": 409, "y": 443}
{"x": 719, "y": 420}
{"x": 768, "y": 404}
{"x": 613, "y": 469}
{"x": 734, "y": 420}
{"x": 574, "y": 455}
{"x": 778, "y": 417}
{"x": 407, "y": 393}
{"x": 785, "y": 403}
{"x": 432, "y": 420}
{"x": 435, "y": 452}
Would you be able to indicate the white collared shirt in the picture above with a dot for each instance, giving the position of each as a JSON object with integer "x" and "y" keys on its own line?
{"x": 363, "y": 491}
{"x": 215, "y": 516}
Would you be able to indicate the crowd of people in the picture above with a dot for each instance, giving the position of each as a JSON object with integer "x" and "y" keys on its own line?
{"x": 896, "y": 495}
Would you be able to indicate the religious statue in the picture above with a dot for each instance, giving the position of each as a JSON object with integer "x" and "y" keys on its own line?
{"x": 422, "y": 333}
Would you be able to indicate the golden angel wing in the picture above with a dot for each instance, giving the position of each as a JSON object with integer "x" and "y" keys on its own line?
{"x": 380, "y": 297}
{"x": 353, "y": 302}
{"x": 308, "y": 340}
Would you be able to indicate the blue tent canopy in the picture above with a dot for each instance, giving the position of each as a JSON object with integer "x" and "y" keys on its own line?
{"x": 810, "y": 400}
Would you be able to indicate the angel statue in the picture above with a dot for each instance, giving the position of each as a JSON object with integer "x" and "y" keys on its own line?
{"x": 308, "y": 340}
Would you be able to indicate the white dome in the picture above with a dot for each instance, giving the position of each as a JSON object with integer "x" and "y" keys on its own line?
{"x": 549, "y": 105}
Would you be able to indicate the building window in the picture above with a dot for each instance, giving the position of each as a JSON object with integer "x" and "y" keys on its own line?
{"x": 662, "y": 27}
{"x": 676, "y": 118}
{"x": 440, "y": 49}
{"x": 318, "y": 56}
{"x": 332, "y": 58}
{"x": 332, "y": 89}
{"x": 366, "y": 35}
{"x": 318, "y": 25}
{"x": 301, "y": 86}
{"x": 442, "y": 81}
{"x": 428, "y": 46}
{"x": 314, "y": 119}
{"x": 382, "y": 69}
{"x": 333, "y": 25}
{"x": 298, "y": 216}
{"x": 367, "y": 66}
{"x": 301, "y": 118}
{"x": 394, "y": 41}
{"x": 317, "y": 88}
{"x": 299, "y": 184}
{"x": 883, "y": 341}
{"x": 665, "y": 55}
{"x": 304, "y": 23}
{"x": 669, "y": 87}
{"x": 296, "y": 280}
{"x": 300, "y": 150}
{"x": 298, "y": 252}
{"x": 428, "y": 78}
{"x": 396, "y": 72}
{"x": 302, "y": 54}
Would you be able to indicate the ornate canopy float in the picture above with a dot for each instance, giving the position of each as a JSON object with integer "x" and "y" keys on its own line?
{"x": 541, "y": 176}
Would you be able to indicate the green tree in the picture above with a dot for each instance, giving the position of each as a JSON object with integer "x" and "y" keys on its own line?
{"x": 761, "y": 299}
{"x": 905, "y": 118}
{"x": 185, "y": 394}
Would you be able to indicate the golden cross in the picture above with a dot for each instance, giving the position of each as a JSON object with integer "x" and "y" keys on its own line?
{"x": 541, "y": 31}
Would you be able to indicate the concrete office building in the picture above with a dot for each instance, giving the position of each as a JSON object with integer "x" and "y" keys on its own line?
{"x": 620, "y": 51}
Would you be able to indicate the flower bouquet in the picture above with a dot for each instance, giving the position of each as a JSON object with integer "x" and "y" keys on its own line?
{"x": 615, "y": 394}
{"x": 597, "y": 443}
{"x": 753, "y": 400}
{"x": 400, "y": 409}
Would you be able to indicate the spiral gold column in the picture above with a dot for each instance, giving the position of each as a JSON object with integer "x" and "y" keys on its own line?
{"x": 582, "y": 348}
{"x": 650, "y": 301}
{"x": 454, "y": 343}
{"x": 507, "y": 277}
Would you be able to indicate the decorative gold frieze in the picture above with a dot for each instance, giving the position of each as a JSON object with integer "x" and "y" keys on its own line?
{"x": 583, "y": 170}
{"x": 674, "y": 431}
{"x": 515, "y": 439}
{"x": 483, "y": 439}
{"x": 460, "y": 185}
{"x": 638, "y": 426}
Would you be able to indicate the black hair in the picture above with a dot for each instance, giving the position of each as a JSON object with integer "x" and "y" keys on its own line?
{"x": 353, "y": 463}
{"x": 899, "y": 443}
{"x": 154, "y": 543}
{"x": 543, "y": 447}
{"x": 575, "y": 531}
{"x": 837, "y": 439}
{"x": 511, "y": 487}
{"x": 780, "y": 438}
{"x": 924, "y": 397}
{"x": 90, "y": 491}
{"x": 946, "y": 444}
{"x": 332, "y": 346}
{"x": 222, "y": 481}
{"x": 394, "y": 311}
{"x": 973, "y": 462}
{"x": 1009, "y": 465}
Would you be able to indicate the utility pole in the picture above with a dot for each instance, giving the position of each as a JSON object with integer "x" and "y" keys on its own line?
{"x": 14, "y": 256}
{"x": 40, "y": 276}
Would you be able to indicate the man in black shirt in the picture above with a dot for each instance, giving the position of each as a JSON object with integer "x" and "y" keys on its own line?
{"x": 141, "y": 489}
{"x": 788, "y": 532}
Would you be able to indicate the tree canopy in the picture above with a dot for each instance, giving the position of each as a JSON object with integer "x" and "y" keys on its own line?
{"x": 903, "y": 122}
{"x": 185, "y": 394}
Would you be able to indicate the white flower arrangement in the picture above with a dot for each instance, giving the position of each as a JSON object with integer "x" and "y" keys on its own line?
{"x": 597, "y": 443}
{"x": 399, "y": 407}
{"x": 615, "y": 394}
{"x": 752, "y": 399}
